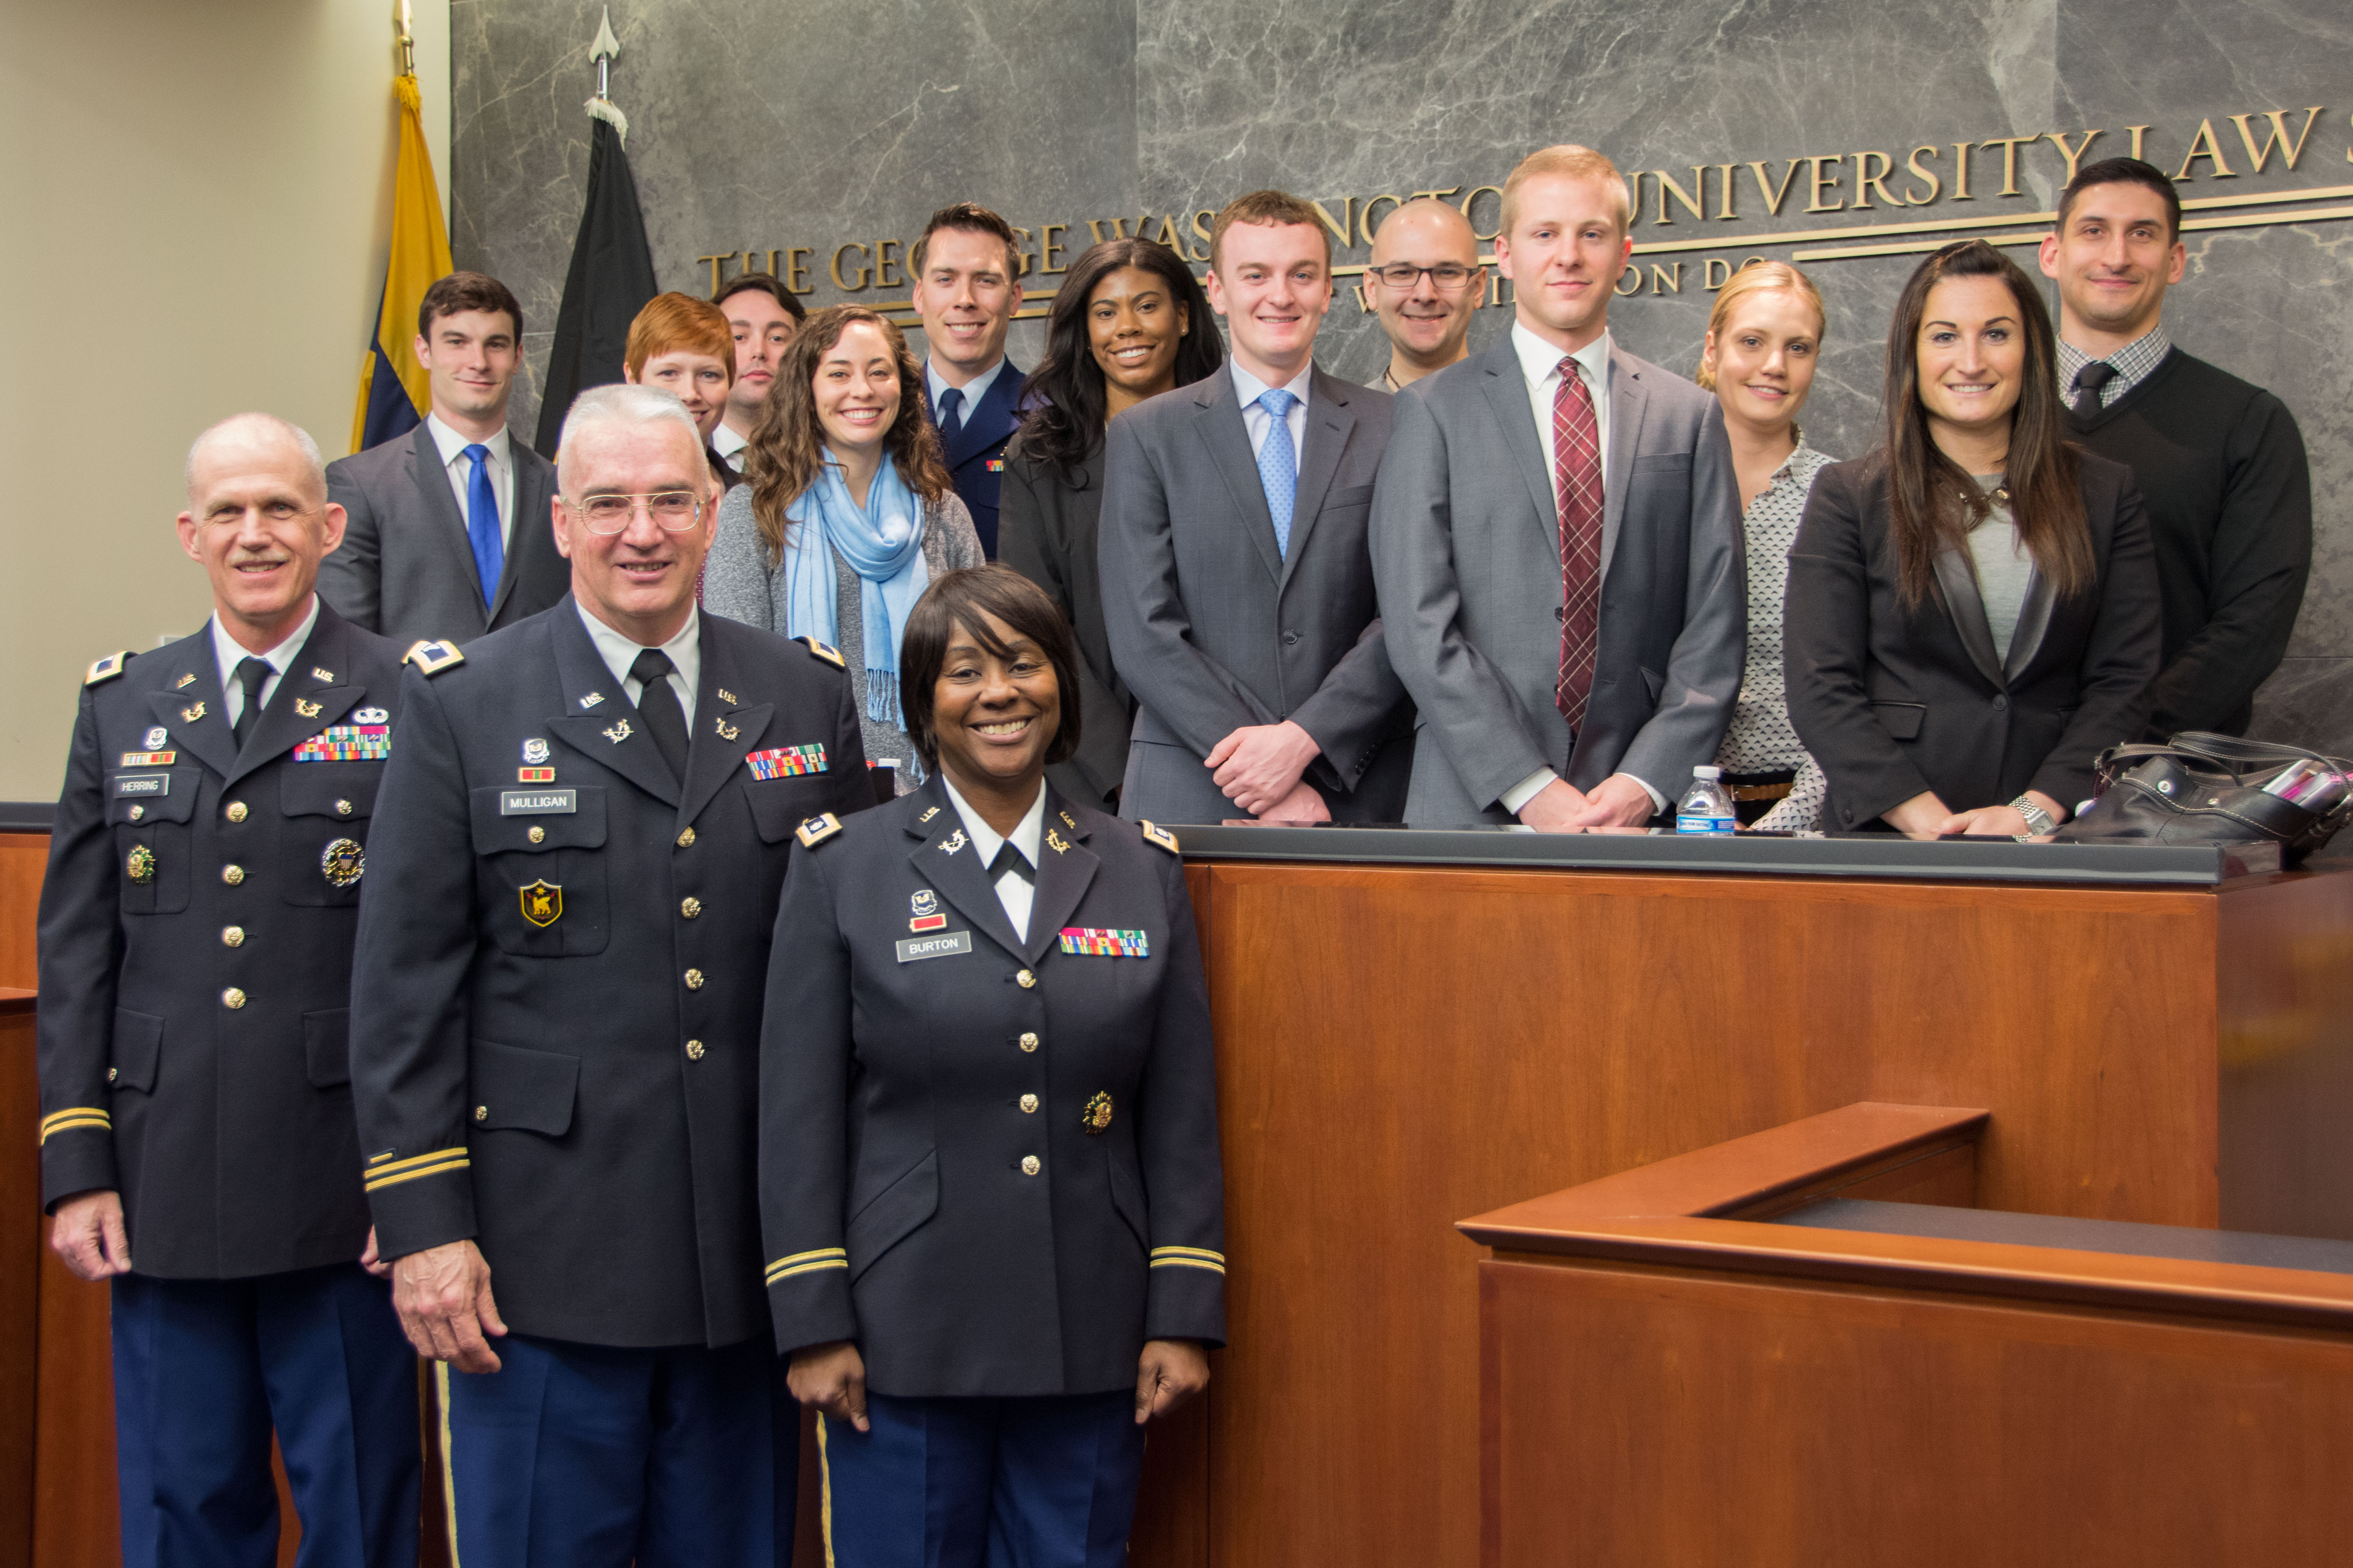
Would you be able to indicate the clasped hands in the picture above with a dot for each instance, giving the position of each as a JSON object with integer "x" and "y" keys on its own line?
{"x": 1259, "y": 767}
{"x": 1618, "y": 801}
{"x": 832, "y": 1378}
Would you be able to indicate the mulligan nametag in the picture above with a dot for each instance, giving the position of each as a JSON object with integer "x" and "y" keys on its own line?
{"x": 916, "y": 947}
{"x": 538, "y": 802}
{"x": 141, "y": 784}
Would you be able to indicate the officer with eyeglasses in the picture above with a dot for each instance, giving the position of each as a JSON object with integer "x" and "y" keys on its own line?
{"x": 577, "y": 865}
{"x": 1424, "y": 281}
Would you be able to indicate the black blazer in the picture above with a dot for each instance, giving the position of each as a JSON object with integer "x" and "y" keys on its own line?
{"x": 558, "y": 984}
{"x": 1894, "y": 699}
{"x": 991, "y": 1161}
{"x": 203, "y": 1076}
{"x": 1047, "y": 533}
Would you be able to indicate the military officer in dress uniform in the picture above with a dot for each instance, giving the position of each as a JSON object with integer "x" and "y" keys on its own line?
{"x": 577, "y": 862}
{"x": 988, "y": 1133}
{"x": 197, "y": 1146}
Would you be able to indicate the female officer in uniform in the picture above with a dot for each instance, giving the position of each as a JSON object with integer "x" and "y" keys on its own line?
{"x": 989, "y": 1144}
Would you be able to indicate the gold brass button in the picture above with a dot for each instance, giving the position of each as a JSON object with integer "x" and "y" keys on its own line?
{"x": 686, "y": 838}
{"x": 1031, "y": 1165}
{"x": 694, "y": 1050}
{"x": 232, "y": 936}
{"x": 137, "y": 811}
{"x": 695, "y": 979}
{"x": 1025, "y": 979}
{"x": 538, "y": 835}
{"x": 689, "y": 908}
{"x": 233, "y": 875}
{"x": 1028, "y": 1042}
{"x": 482, "y": 1113}
{"x": 235, "y": 810}
{"x": 343, "y": 808}
{"x": 1029, "y": 1102}
{"x": 232, "y": 998}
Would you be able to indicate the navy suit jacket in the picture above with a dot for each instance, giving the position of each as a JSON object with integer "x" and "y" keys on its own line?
{"x": 975, "y": 457}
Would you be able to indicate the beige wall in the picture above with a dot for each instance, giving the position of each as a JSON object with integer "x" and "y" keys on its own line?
{"x": 197, "y": 201}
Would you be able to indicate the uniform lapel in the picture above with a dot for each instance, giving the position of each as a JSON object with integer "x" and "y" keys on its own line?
{"x": 1627, "y": 397}
{"x": 987, "y": 422}
{"x": 948, "y": 861}
{"x": 599, "y": 721}
{"x": 1956, "y": 587}
{"x": 1329, "y": 422}
{"x": 208, "y": 734}
{"x": 1506, "y": 386}
{"x": 1066, "y": 867}
{"x": 431, "y": 478}
{"x": 303, "y": 703}
{"x": 1219, "y": 418}
{"x": 724, "y": 732}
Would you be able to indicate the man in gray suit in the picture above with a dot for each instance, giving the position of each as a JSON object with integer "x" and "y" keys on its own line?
{"x": 449, "y": 534}
{"x": 1238, "y": 588}
{"x": 1557, "y": 537}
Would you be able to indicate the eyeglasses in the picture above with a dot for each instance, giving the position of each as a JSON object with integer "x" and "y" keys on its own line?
{"x": 675, "y": 510}
{"x": 1447, "y": 274}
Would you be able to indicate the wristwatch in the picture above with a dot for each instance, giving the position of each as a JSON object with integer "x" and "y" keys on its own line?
{"x": 2038, "y": 821}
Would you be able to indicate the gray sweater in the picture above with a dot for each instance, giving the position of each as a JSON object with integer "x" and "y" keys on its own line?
{"x": 738, "y": 582}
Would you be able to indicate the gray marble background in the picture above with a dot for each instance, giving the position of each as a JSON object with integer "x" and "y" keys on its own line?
{"x": 817, "y": 122}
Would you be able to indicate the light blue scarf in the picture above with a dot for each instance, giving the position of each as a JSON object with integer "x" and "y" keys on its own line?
{"x": 883, "y": 544}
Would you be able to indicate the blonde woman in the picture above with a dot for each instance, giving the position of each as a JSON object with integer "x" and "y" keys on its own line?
{"x": 1763, "y": 339}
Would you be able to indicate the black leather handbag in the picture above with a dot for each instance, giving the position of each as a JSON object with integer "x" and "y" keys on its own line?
{"x": 2204, "y": 788}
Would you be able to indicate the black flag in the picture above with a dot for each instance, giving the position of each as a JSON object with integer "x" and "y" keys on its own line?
{"x": 611, "y": 279}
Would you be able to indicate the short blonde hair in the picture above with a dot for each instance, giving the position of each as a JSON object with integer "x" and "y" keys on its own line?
{"x": 1750, "y": 280}
{"x": 1571, "y": 161}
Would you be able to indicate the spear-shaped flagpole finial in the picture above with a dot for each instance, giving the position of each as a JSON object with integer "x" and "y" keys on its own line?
{"x": 404, "y": 33}
{"x": 603, "y": 51}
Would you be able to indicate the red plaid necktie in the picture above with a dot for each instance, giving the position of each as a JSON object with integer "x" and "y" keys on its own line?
{"x": 1577, "y": 483}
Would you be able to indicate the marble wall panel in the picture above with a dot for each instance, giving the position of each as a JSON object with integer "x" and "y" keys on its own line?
{"x": 821, "y": 124}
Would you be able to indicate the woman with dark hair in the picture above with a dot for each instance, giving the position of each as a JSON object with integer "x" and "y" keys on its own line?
{"x": 1130, "y": 323}
{"x": 989, "y": 1177}
{"x": 845, "y": 514}
{"x": 1973, "y": 609}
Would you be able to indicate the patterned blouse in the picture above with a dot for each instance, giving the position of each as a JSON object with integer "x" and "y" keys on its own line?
{"x": 1761, "y": 739}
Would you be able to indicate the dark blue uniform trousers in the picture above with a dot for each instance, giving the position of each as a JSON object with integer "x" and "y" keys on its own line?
{"x": 204, "y": 1369}
{"x": 1039, "y": 1482}
{"x": 573, "y": 1456}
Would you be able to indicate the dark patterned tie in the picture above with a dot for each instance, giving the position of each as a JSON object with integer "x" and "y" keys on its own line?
{"x": 252, "y": 674}
{"x": 1576, "y": 484}
{"x": 2088, "y": 383}
{"x": 658, "y": 705}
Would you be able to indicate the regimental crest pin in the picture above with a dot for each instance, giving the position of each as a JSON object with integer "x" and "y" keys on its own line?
{"x": 534, "y": 750}
{"x": 156, "y": 736}
{"x": 593, "y": 698}
{"x": 542, "y": 902}
{"x": 617, "y": 733}
{"x": 372, "y": 716}
{"x": 308, "y": 710}
{"x": 925, "y": 902}
{"x": 956, "y": 841}
{"x": 193, "y": 714}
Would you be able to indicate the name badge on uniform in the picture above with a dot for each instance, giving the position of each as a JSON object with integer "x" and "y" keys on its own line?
{"x": 785, "y": 762}
{"x": 916, "y": 947}
{"x": 1102, "y": 942}
{"x": 538, "y": 802}
{"x": 141, "y": 785}
{"x": 347, "y": 743}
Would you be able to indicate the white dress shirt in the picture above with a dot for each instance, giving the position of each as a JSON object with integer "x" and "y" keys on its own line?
{"x": 974, "y": 390}
{"x": 230, "y": 654}
{"x": 620, "y": 653}
{"x": 1249, "y": 389}
{"x": 452, "y": 446}
{"x": 726, "y": 443}
{"x": 1012, "y": 891}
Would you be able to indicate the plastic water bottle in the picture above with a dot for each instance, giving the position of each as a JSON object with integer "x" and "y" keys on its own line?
{"x": 1705, "y": 807}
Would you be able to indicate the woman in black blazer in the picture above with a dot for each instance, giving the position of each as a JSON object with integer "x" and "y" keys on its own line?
{"x": 1973, "y": 609}
{"x": 1129, "y": 322}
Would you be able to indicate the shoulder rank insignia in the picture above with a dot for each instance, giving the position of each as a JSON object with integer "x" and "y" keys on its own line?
{"x": 831, "y": 656}
{"x": 1160, "y": 835}
{"x": 818, "y": 829}
{"x": 109, "y": 666}
{"x": 432, "y": 657}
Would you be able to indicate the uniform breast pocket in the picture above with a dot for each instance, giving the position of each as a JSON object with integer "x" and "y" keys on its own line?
{"x": 538, "y": 870}
{"x": 151, "y": 812}
{"x": 780, "y": 805}
{"x": 327, "y": 807}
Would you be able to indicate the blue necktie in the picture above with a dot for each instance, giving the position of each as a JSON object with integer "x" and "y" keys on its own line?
{"x": 951, "y": 414}
{"x": 1277, "y": 465}
{"x": 483, "y": 523}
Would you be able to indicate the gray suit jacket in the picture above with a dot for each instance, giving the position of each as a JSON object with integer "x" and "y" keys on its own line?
{"x": 1213, "y": 628}
{"x": 405, "y": 569}
{"x": 1466, "y": 546}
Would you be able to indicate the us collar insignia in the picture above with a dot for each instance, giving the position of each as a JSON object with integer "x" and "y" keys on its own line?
{"x": 728, "y": 732}
{"x": 956, "y": 841}
{"x": 184, "y": 681}
{"x": 1068, "y": 820}
{"x": 618, "y": 732}
{"x": 593, "y": 698}
{"x": 929, "y": 815}
{"x": 308, "y": 710}
{"x": 1055, "y": 842}
{"x": 326, "y": 675}
{"x": 728, "y": 697}
{"x": 193, "y": 714}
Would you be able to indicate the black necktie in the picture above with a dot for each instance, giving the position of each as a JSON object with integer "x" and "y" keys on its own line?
{"x": 1008, "y": 859}
{"x": 951, "y": 414}
{"x": 658, "y": 705}
{"x": 2088, "y": 382}
{"x": 251, "y": 674}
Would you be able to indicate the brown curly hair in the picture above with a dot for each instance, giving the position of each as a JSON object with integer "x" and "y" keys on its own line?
{"x": 788, "y": 445}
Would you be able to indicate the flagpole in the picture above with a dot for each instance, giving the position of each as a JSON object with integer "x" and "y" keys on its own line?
{"x": 403, "y": 35}
{"x": 603, "y": 50}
